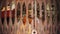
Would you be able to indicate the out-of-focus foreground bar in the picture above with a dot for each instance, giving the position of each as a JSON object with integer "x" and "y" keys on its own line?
{"x": 29, "y": 17}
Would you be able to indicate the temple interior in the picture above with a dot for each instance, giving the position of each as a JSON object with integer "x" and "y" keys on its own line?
{"x": 29, "y": 17}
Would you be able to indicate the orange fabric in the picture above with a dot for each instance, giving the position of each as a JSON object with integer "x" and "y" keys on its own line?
{"x": 30, "y": 20}
{"x": 24, "y": 20}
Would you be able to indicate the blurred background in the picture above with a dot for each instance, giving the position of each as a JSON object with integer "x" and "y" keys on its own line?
{"x": 29, "y": 17}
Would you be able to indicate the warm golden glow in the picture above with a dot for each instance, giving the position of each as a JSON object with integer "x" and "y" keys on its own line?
{"x": 13, "y": 5}
{"x": 48, "y": 7}
{"x": 3, "y": 9}
{"x": 8, "y": 7}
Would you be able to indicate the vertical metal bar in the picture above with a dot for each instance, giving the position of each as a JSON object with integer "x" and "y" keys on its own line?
{"x": 55, "y": 16}
{"x": 0, "y": 13}
{"x": 45, "y": 23}
{"x": 5, "y": 21}
{"x": 0, "y": 23}
{"x": 21, "y": 18}
{"x": 15, "y": 22}
{"x": 32, "y": 15}
{"x": 35, "y": 12}
{"x": 50, "y": 22}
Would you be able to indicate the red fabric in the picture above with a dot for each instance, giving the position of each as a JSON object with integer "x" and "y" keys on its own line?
{"x": 2, "y": 14}
{"x": 8, "y": 13}
{"x": 13, "y": 13}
